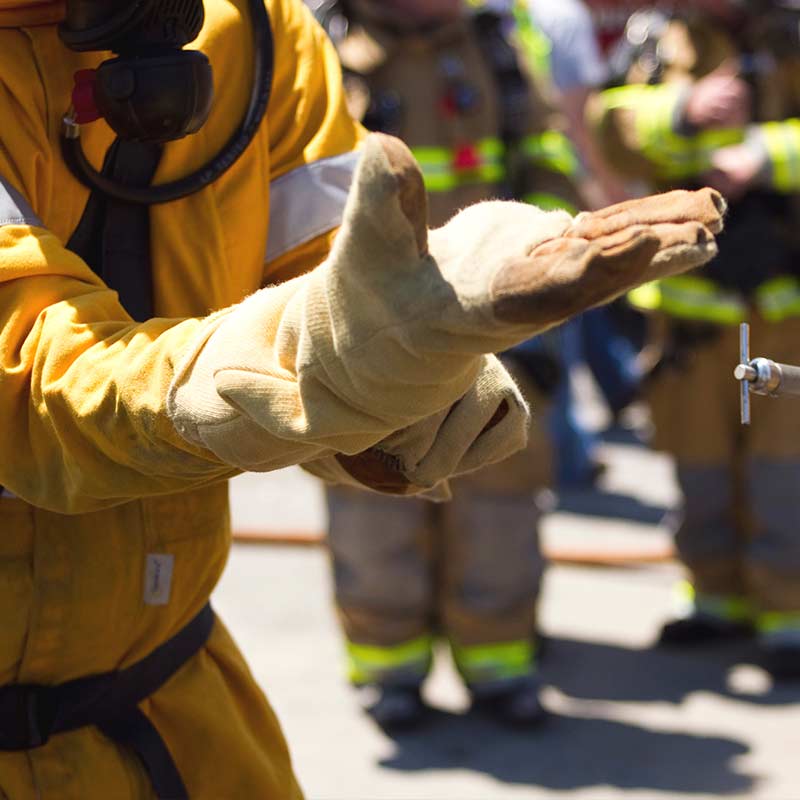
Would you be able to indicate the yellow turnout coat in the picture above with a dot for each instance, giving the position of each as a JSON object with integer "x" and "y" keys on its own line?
{"x": 98, "y": 487}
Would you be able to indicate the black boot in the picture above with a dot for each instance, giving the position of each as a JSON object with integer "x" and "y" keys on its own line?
{"x": 782, "y": 661}
{"x": 517, "y": 706}
{"x": 398, "y": 708}
{"x": 700, "y": 629}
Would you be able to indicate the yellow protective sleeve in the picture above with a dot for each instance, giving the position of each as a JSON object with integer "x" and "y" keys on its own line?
{"x": 781, "y": 140}
{"x": 82, "y": 387}
{"x": 635, "y": 128}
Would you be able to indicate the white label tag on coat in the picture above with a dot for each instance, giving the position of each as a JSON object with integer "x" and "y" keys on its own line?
{"x": 158, "y": 579}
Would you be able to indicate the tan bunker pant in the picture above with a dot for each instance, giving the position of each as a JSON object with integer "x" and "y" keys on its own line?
{"x": 740, "y": 530}
{"x": 469, "y": 569}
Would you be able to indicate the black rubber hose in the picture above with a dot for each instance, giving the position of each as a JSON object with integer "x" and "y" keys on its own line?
{"x": 264, "y": 56}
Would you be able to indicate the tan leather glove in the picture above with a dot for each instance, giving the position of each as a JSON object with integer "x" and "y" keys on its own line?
{"x": 486, "y": 425}
{"x": 391, "y": 330}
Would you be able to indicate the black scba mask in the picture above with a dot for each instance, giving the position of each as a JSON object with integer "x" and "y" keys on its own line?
{"x": 154, "y": 91}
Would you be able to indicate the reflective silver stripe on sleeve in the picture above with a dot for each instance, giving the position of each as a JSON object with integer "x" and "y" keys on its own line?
{"x": 308, "y": 201}
{"x": 14, "y": 209}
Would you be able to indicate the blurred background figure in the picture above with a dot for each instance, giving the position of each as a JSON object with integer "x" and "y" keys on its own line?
{"x": 562, "y": 43}
{"x": 448, "y": 80}
{"x": 577, "y": 68}
{"x": 710, "y": 95}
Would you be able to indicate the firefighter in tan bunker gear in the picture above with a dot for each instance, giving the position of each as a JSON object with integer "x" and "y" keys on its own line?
{"x": 118, "y": 433}
{"x": 449, "y": 82}
{"x": 712, "y": 97}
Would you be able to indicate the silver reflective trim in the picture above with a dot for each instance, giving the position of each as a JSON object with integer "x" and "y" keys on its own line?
{"x": 14, "y": 209}
{"x": 308, "y": 201}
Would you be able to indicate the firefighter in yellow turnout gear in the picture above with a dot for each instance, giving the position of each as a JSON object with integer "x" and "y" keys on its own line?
{"x": 449, "y": 82}
{"x": 115, "y": 529}
{"x": 712, "y": 97}
{"x": 142, "y": 363}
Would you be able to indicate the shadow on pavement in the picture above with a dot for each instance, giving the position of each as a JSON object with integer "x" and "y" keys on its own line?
{"x": 596, "y": 503}
{"x": 597, "y": 671}
{"x": 617, "y": 434}
{"x": 575, "y": 752}
{"x": 571, "y": 752}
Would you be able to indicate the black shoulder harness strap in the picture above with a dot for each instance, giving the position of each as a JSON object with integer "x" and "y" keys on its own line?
{"x": 113, "y": 237}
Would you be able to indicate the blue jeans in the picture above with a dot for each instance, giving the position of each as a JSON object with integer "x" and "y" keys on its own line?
{"x": 611, "y": 357}
{"x": 574, "y": 444}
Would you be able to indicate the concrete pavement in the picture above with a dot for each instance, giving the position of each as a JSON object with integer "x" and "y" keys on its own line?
{"x": 627, "y": 721}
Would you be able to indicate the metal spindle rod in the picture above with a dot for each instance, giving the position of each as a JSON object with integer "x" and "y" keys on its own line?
{"x": 742, "y": 373}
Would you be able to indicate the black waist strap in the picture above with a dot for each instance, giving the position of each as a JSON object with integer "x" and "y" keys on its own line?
{"x": 30, "y": 714}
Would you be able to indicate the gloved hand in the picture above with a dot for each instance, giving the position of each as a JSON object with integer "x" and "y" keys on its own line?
{"x": 486, "y": 425}
{"x": 390, "y": 332}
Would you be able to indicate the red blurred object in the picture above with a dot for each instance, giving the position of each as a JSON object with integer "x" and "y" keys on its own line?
{"x": 83, "y": 97}
{"x": 448, "y": 105}
{"x": 466, "y": 157}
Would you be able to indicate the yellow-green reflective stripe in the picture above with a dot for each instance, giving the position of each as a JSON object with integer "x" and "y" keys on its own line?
{"x": 367, "y": 662}
{"x": 687, "y": 283}
{"x": 779, "y": 298}
{"x": 505, "y": 660}
{"x": 732, "y": 608}
{"x": 553, "y": 150}
{"x": 700, "y": 299}
{"x": 446, "y": 183}
{"x": 774, "y": 621}
{"x": 653, "y": 108}
{"x": 687, "y": 157}
{"x": 708, "y": 141}
{"x": 549, "y": 202}
{"x": 691, "y": 298}
{"x": 705, "y": 143}
{"x": 654, "y": 115}
{"x": 684, "y": 592}
{"x": 694, "y": 298}
{"x": 433, "y": 155}
{"x": 535, "y": 44}
{"x": 723, "y": 315}
{"x": 490, "y": 148}
{"x": 782, "y": 141}
{"x": 441, "y": 175}
{"x": 646, "y": 297}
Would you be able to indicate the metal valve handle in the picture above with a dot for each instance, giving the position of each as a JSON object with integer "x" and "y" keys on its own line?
{"x": 761, "y": 375}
